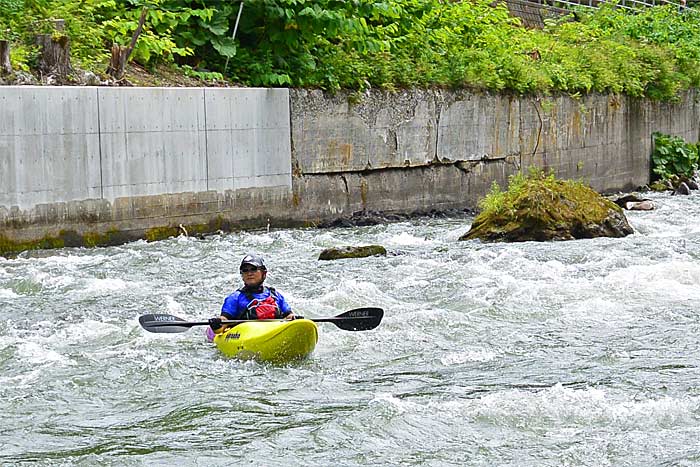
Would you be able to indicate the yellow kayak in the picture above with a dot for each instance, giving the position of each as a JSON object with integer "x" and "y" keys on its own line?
{"x": 269, "y": 341}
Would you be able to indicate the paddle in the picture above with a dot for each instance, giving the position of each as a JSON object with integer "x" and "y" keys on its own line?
{"x": 359, "y": 319}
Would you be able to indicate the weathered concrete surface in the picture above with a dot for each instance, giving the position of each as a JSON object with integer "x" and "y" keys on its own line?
{"x": 602, "y": 139}
{"x": 131, "y": 218}
{"x": 101, "y": 165}
{"x": 331, "y": 134}
{"x": 477, "y": 126}
{"x": 62, "y": 144}
{"x": 322, "y": 197}
{"x": 151, "y": 141}
{"x": 248, "y": 138}
{"x": 49, "y": 145}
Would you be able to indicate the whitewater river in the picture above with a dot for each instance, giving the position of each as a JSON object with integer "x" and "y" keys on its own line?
{"x": 533, "y": 354}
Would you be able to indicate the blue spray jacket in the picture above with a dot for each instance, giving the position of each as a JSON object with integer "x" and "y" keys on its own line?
{"x": 237, "y": 304}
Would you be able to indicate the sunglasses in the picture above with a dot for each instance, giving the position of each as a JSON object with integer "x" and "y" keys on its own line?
{"x": 249, "y": 269}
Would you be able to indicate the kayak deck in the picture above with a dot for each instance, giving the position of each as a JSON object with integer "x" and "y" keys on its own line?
{"x": 269, "y": 341}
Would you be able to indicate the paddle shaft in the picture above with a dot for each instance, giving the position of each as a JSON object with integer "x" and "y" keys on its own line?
{"x": 359, "y": 319}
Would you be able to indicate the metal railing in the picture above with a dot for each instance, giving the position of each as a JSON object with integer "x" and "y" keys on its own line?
{"x": 533, "y": 12}
{"x": 626, "y": 4}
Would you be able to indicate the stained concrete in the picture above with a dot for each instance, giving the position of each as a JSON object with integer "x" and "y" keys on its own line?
{"x": 104, "y": 165}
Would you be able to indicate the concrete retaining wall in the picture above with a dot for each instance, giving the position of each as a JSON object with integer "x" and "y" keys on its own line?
{"x": 105, "y": 165}
{"x": 70, "y": 143}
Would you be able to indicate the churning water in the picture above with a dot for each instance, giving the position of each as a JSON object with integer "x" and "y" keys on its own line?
{"x": 570, "y": 353}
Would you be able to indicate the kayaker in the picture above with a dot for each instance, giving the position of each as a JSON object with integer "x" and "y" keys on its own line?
{"x": 253, "y": 300}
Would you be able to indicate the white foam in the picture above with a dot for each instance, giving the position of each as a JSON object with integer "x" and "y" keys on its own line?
{"x": 107, "y": 285}
{"x": 72, "y": 261}
{"x": 325, "y": 239}
{"x": 407, "y": 239}
{"x": 453, "y": 235}
{"x": 392, "y": 405}
{"x": 35, "y": 353}
{"x": 680, "y": 280}
{"x": 173, "y": 307}
{"x": 256, "y": 239}
{"x": 80, "y": 332}
{"x": 407, "y": 282}
{"x": 5, "y": 293}
{"x": 354, "y": 291}
{"x": 468, "y": 355}
{"x": 27, "y": 378}
{"x": 587, "y": 406}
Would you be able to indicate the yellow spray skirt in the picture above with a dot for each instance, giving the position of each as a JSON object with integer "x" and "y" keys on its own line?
{"x": 269, "y": 341}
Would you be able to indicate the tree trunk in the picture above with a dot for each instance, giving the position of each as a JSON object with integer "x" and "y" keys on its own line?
{"x": 121, "y": 54}
{"x": 117, "y": 63}
{"x": 5, "y": 65}
{"x": 54, "y": 55}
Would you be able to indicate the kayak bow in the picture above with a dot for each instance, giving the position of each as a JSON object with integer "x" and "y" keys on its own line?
{"x": 269, "y": 341}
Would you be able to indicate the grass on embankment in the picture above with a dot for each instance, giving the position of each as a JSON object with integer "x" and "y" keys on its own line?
{"x": 356, "y": 45}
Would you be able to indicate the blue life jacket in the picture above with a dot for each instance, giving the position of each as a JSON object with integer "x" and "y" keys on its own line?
{"x": 266, "y": 308}
{"x": 239, "y": 304}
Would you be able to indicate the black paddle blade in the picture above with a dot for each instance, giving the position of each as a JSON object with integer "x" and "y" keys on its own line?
{"x": 163, "y": 323}
{"x": 359, "y": 319}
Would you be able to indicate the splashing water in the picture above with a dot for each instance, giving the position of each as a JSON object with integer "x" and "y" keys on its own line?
{"x": 567, "y": 353}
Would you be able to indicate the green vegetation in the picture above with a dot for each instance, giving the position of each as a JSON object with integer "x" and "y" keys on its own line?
{"x": 673, "y": 157}
{"x": 334, "y": 44}
{"x": 541, "y": 192}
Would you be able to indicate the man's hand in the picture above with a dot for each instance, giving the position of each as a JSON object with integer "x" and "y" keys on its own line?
{"x": 215, "y": 324}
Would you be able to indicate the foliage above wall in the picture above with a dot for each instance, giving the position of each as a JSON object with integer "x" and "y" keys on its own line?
{"x": 333, "y": 44}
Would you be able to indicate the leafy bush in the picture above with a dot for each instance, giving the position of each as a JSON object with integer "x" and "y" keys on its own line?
{"x": 673, "y": 156}
{"x": 334, "y": 44}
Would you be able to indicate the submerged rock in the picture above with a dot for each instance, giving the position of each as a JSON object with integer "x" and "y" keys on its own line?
{"x": 541, "y": 208}
{"x": 645, "y": 205}
{"x": 633, "y": 202}
{"x": 352, "y": 252}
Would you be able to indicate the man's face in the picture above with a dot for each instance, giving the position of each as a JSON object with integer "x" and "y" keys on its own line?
{"x": 251, "y": 275}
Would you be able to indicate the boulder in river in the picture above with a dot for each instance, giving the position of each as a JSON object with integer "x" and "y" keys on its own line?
{"x": 645, "y": 205}
{"x": 633, "y": 202}
{"x": 682, "y": 189}
{"x": 539, "y": 207}
{"x": 352, "y": 252}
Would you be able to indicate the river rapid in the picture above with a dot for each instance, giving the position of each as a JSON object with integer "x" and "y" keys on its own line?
{"x": 531, "y": 354}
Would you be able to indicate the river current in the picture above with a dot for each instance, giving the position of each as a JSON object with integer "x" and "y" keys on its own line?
{"x": 531, "y": 354}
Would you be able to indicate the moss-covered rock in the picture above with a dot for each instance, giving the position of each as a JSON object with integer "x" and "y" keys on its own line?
{"x": 540, "y": 208}
{"x": 352, "y": 252}
{"x": 661, "y": 185}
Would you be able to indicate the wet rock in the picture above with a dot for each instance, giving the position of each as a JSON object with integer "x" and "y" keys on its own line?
{"x": 645, "y": 205}
{"x": 352, "y": 252}
{"x": 622, "y": 200}
{"x": 661, "y": 185}
{"x": 633, "y": 202}
{"x": 682, "y": 189}
{"x": 542, "y": 208}
{"x": 362, "y": 218}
